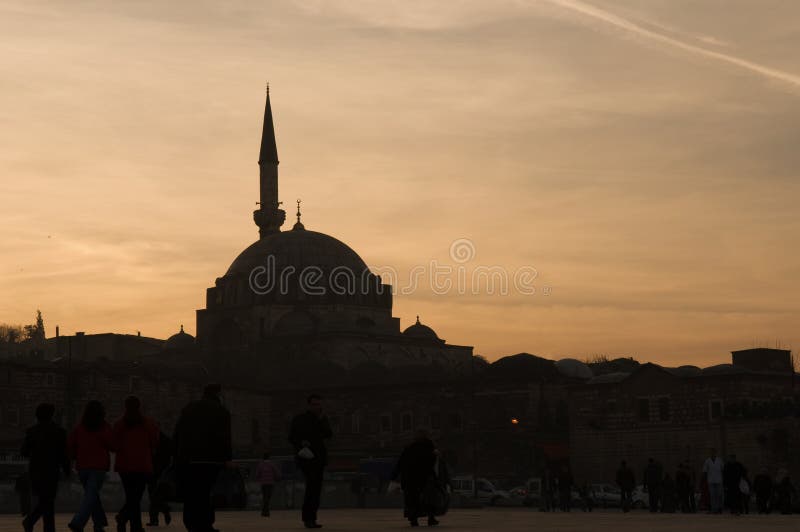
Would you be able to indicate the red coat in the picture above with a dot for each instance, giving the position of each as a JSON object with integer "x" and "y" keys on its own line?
{"x": 90, "y": 450}
{"x": 135, "y": 446}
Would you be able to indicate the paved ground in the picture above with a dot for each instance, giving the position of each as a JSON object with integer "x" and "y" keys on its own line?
{"x": 505, "y": 520}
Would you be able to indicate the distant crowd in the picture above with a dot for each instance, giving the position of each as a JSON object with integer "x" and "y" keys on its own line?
{"x": 722, "y": 484}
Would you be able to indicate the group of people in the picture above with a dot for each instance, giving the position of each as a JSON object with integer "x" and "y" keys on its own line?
{"x": 134, "y": 438}
{"x": 142, "y": 455}
{"x": 723, "y": 484}
{"x": 557, "y": 485}
{"x": 187, "y": 466}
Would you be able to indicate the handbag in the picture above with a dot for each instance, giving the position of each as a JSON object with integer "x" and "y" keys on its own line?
{"x": 744, "y": 487}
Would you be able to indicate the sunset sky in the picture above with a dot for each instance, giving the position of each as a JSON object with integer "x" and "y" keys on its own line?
{"x": 641, "y": 155}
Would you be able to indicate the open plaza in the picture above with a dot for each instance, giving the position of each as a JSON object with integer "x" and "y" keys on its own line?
{"x": 501, "y": 519}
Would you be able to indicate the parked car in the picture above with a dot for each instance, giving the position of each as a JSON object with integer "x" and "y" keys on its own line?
{"x": 639, "y": 498}
{"x": 606, "y": 495}
{"x": 487, "y": 493}
{"x": 518, "y": 495}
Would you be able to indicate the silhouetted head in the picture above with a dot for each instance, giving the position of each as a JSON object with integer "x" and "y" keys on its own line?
{"x": 133, "y": 411}
{"x": 650, "y": 461}
{"x": 713, "y": 453}
{"x": 421, "y": 434}
{"x": 732, "y": 458}
{"x": 45, "y": 412}
{"x": 94, "y": 416}
{"x": 314, "y": 403}
{"x": 623, "y": 464}
{"x": 212, "y": 392}
{"x": 266, "y": 455}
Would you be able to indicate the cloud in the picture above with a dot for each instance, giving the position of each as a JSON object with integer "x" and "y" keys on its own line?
{"x": 612, "y": 19}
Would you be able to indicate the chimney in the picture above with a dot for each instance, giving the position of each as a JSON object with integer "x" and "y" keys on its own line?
{"x": 138, "y": 333}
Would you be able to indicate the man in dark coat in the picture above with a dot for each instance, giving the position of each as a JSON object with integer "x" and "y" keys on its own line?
{"x": 202, "y": 448}
{"x": 652, "y": 483}
{"x": 626, "y": 481}
{"x": 763, "y": 487}
{"x": 46, "y": 447}
{"x": 683, "y": 488}
{"x": 414, "y": 468}
{"x": 307, "y": 434}
{"x": 732, "y": 474}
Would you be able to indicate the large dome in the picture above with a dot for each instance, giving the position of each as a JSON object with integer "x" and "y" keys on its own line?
{"x": 299, "y": 267}
{"x": 299, "y": 249}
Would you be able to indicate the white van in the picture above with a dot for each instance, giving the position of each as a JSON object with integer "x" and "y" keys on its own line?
{"x": 487, "y": 493}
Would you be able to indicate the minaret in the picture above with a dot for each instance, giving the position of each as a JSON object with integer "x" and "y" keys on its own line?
{"x": 269, "y": 217}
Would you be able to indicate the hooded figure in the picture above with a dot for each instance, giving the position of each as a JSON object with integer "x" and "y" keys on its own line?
{"x": 414, "y": 468}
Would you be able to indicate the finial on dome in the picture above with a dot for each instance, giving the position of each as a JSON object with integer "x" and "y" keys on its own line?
{"x": 181, "y": 327}
{"x": 268, "y": 88}
{"x": 417, "y": 319}
{"x": 299, "y": 225}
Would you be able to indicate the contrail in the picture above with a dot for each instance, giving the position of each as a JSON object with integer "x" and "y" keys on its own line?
{"x": 624, "y": 24}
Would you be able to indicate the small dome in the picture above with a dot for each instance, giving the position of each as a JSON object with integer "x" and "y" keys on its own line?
{"x": 181, "y": 340}
{"x": 570, "y": 367}
{"x": 418, "y": 330}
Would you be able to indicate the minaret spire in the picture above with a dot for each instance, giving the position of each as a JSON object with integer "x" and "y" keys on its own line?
{"x": 269, "y": 217}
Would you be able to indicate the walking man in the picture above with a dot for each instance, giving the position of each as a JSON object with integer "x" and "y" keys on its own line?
{"x": 308, "y": 433}
{"x": 652, "y": 483}
{"x": 46, "y": 447}
{"x": 712, "y": 471}
{"x": 626, "y": 481}
{"x": 202, "y": 448}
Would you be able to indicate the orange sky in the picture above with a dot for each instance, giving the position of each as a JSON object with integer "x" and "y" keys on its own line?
{"x": 641, "y": 156}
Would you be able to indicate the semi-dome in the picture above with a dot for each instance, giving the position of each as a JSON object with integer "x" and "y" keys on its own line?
{"x": 299, "y": 249}
{"x": 179, "y": 341}
{"x": 570, "y": 367}
{"x": 418, "y": 330}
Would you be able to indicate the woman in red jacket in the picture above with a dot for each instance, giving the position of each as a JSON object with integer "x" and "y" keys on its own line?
{"x": 136, "y": 440}
{"x": 89, "y": 445}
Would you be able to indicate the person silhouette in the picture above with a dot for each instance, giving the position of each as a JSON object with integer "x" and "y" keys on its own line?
{"x": 136, "y": 440}
{"x": 202, "y": 448}
{"x": 307, "y": 434}
{"x": 90, "y": 445}
{"x": 46, "y": 448}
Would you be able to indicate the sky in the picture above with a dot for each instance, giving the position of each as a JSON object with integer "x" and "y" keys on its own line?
{"x": 640, "y": 156}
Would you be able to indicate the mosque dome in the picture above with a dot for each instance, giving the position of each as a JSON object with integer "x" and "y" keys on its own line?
{"x": 180, "y": 341}
{"x": 301, "y": 267}
{"x": 570, "y": 367}
{"x": 299, "y": 249}
{"x": 423, "y": 332}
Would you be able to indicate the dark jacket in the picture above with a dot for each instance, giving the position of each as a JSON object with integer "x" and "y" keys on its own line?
{"x": 46, "y": 448}
{"x": 416, "y": 463}
{"x": 626, "y": 479}
{"x": 653, "y": 476}
{"x": 203, "y": 433}
{"x": 762, "y": 485}
{"x": 313, "y": 429}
